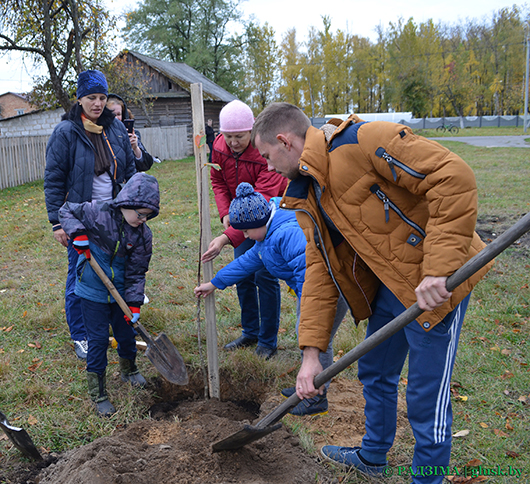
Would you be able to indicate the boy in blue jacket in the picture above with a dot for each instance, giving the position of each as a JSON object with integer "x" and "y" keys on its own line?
{"x": 280, "y": 248}
{"x": 115, "y": 234}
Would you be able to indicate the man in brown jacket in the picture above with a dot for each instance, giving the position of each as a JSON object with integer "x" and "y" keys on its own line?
{"x": 388, "y": 216}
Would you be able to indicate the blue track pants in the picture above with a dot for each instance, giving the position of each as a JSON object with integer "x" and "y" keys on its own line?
{"x": 431, "y": 359}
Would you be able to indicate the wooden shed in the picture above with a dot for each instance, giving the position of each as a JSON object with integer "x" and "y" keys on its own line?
{"x": 169, "y": 92}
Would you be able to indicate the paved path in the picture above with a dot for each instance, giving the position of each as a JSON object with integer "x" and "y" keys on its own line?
{"x": 490, "y": 141}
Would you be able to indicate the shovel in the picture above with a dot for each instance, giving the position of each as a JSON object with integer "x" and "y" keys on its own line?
{"x": 269, "y": 423}
{"x": 160, "y": 351}
{"x": 20, "y": 439}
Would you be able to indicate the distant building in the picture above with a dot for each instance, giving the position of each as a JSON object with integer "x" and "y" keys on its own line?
{"x": 13, "y": 104}
{"x": 169, "y": 92}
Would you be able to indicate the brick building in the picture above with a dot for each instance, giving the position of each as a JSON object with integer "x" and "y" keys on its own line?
{"x": 13, "y": 104}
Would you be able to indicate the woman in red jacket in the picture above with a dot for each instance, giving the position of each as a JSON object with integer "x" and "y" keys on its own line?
{"x": 259, "y": 295}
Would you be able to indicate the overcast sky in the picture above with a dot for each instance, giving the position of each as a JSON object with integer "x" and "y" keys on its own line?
{"x": 352, "y": 16}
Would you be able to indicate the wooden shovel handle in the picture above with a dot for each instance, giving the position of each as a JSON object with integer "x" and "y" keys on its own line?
{"x": 108, "y": 283}
{"x": 474, "y": 264}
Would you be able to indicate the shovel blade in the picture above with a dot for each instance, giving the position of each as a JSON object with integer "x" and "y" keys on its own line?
{"x": 245, "y": 436}
{"x": 167, "y": 360}
{"x": 20, "y": 439}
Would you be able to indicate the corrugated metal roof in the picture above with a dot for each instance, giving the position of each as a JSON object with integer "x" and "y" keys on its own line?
{"x": 184, "y": 75}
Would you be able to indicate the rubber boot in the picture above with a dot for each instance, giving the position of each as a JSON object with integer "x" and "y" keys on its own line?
{"x": 131, "y": 373}
{"x": 97, "y": 389}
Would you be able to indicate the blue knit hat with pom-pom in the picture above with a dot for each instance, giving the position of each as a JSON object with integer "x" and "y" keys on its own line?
{"x": 249, "y": 209}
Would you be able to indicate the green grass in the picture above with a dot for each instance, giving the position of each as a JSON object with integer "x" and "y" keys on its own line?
{"x": 42, "y": 384}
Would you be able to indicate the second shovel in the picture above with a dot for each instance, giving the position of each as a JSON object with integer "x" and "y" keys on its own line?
{"x": 160, "y": 351}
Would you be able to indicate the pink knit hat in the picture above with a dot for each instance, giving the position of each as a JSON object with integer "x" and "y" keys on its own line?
{"x": 236, "y": 116}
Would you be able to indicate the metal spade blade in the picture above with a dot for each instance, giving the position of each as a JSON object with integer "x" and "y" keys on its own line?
{"x": 20, "y": 439}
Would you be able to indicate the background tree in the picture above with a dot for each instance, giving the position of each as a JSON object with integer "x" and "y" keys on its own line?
{"x": 364, "y": 75}
{"x": 508, "y": 59}
{"x": 261, "y": 65}
{"x": 190, "y": 31}
{"x": 413, "y": 53}
{"x": 290, "y": 89}
{"x": 233, "y": 76}
{"x": 68, "y": 36}
{"x": 337, "y": 65}
{"x": 129, "y": 81}
{"x": 379, "y": 59}
{"x": 312, "y": 75}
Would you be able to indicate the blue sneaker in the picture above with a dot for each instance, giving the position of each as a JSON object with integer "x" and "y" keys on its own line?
{"x": 351, "y": 458}
{"x": 287, "y": 392}
{"x": 312, "y": 406}
{"x": 317, "y": 405}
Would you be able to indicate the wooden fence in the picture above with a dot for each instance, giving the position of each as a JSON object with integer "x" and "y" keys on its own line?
{"x": 23, "y": 159}
{"x": 168, "y": 142}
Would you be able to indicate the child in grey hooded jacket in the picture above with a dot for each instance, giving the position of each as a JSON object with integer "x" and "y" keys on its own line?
{"x": 115, "y": 234}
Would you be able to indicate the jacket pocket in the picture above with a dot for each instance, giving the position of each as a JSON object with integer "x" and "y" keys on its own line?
{"x": 413, "y": 239}
{"x": 392, "y": 163}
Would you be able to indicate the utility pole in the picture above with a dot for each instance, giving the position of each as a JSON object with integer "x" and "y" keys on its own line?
{"x": 526, "y": 79}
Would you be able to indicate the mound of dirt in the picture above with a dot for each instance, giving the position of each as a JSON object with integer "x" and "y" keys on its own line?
{"x": 175, "y": 446}
{"x": 179, "y": 450}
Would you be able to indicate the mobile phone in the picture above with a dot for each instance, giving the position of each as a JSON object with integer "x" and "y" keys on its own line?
{"x": 129, "y": 124}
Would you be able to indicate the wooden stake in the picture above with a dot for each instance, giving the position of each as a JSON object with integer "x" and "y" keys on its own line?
{"x": 202, "y": 171}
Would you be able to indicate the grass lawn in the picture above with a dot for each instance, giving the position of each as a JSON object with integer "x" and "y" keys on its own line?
{"x": 43, "y": 387}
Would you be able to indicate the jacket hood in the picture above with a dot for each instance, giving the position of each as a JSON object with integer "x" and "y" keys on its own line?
{"x": 141, "y": 191}
{"x": 125, "y": 112}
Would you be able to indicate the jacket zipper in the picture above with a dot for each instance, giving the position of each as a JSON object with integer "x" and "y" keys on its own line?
{"x": 387, "y": 204}
{"x": 381, "y": 153}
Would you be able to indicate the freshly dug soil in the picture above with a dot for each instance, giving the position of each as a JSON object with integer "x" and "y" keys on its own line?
{"x": 178, "y": 450}
{"x": 174, "y": 446}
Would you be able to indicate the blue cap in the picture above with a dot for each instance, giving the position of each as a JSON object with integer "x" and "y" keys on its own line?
{"x": 91, "y": 82}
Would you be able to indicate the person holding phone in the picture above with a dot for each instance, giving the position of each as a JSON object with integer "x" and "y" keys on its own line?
{"x": 144, "y": 161}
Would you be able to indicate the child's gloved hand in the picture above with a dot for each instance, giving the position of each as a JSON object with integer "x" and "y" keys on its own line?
{"x": 81, "y": 245}
{"x": 135, "y": 315}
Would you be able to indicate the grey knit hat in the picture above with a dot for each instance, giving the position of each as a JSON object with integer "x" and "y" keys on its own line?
{"x": 249, "y": 209}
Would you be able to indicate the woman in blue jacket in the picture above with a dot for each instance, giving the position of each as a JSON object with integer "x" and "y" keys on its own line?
{"x": 279, "y": 248}
{"x": 88, "y": 156}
